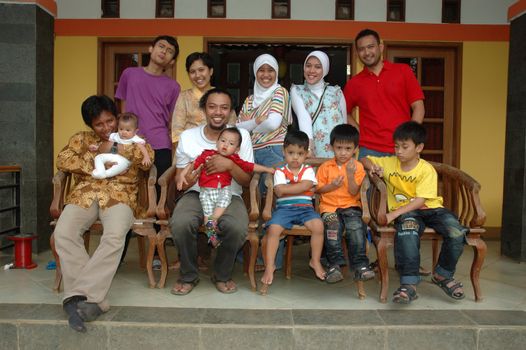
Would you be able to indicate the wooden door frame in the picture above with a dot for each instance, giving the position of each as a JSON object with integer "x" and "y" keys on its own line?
{"x": 101, "y": 62}
{"x": 457, "y": 84}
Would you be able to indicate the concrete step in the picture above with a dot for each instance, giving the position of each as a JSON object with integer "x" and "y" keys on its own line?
{"x": 44, "y": 326}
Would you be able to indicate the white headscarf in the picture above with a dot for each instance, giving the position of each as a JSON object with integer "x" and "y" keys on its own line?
{"x": 324, "y": 60}
{"x": 261, "y": 93}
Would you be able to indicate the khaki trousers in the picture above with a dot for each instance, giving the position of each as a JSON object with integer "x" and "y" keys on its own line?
{"x": 82, "y": 275}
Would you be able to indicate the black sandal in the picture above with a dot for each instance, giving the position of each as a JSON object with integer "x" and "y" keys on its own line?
{"x": 450, "y": 291}
{"x": 364, "y": 274}
{"x": 410, "y": 294}
{"x": 334, "y": 275}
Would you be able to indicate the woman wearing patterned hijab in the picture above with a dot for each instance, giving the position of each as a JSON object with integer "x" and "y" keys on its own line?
{"x": 318, "y": 106}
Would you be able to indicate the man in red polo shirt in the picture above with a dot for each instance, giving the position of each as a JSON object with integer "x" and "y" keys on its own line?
{"x": 386, "y": 93}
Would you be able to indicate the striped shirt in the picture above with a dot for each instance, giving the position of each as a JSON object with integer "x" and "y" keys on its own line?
{"x": 277, "y": 103}
{"x": 284, "y": 176}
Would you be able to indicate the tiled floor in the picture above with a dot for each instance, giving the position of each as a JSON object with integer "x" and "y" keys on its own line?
{"x": 503, "y": 283}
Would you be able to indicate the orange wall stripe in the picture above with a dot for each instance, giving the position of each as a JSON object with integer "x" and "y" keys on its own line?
{"x": 48, "y": 5}
{"x": 279, "y": 28}
{"x": 517, "y": 9}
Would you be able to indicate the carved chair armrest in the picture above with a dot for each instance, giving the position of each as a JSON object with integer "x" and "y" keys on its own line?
{"x": 378, "y": 208}
{"x": 59, "y": 186}
{"x": 164, "y": 182}
{"x": 269, "y": 199}
{"x": 366, "y": 214}
{"x": 253, "y": 213}
{"x": 152, "y": 192}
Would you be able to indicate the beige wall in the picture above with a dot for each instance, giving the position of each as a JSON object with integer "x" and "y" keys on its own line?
{"x": 483, "y": 120}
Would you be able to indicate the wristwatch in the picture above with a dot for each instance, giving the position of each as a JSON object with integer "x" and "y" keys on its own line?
{"x": 114, "y": 148}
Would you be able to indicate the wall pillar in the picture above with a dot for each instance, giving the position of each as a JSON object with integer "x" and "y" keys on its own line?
{"x": 26, "y": 109}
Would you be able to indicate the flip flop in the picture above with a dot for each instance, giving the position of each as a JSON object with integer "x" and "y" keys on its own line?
{"x": 222, "y": 287}
{"x": 192, "y": 284}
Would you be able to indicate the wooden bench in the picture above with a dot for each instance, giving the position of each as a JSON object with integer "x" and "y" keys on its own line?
{"x": 461, "y": 195}
{"x": 166, "y": 205}
{"x": 146, "y": 199}
{"x": 298, "y": 230}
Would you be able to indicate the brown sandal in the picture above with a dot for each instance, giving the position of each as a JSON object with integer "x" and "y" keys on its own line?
{"x": 226, "y": 287}
{"x": 184, "y": 287}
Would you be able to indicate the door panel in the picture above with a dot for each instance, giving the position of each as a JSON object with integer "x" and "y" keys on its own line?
{"x": 117, "y": 56}
{"x": 435, "y": 71}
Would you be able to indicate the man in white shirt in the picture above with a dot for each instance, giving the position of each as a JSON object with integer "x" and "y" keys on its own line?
{"x": 188, "y": 214}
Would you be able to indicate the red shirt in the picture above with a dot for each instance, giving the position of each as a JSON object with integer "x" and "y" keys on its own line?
{"x": 224, "y": 178}
{"x": 384, "y": 101}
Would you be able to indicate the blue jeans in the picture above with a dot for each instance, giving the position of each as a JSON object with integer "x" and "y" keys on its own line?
{"x": 409, "y": 228}
{"x": 267, "y": 156}
{"x": 364, "y": 152}
{"x": 346, "y": 221}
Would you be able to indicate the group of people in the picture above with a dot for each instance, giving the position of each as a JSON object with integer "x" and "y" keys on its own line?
{"x": 216, "y": 153}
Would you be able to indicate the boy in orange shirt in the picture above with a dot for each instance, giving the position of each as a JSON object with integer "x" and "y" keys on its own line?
{"x": 339, "y": 182}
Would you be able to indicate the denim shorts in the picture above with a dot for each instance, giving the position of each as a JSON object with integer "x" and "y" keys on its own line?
{"x": 288, "y": 215}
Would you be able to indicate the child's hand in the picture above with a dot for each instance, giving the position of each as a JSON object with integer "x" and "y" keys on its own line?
{"x": 377, "y": 170}
{"x": 351, "y": 167}
{"x": 337, "y": 182}
{"x": 93, "y": 148}
{"x": 278, "y": 190}
{"x": 147, "y": 161}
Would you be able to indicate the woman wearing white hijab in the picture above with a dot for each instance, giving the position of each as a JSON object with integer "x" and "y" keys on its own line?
{"x": 266, "y": 113}
{"x": 319, "y": 107}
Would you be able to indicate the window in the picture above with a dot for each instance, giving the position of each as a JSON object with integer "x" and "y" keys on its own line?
{"x": 110, "y": 9}
{"x": 396, "y": 10}
{"x": 344, "y": 9}
{"x": 450, "y": 11}
{"x": 164, "y": 9}
{"x": 216, "y": 8}
{"x": 280, "y": 8}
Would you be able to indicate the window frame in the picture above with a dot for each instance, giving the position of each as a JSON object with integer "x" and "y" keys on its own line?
{"x": 158, "y": 9}
{"x": 209, "y": 9}
{"x": 338, "y": 5}
{"x": 402, "y": 11}
{"x": 459, "y": 11}
{"x": 274, "y": 16}
{"x": 102, "y": 3}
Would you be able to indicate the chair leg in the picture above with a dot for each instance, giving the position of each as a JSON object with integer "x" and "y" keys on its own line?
{"x": 142, "y": 255}
{"x": 254, "y": 245}
{"x": 381, "y": 249}
{"x": 161, "y": 238}
{"x": 58, "y": 270}
{"x": 479, "y": 254}
{"x": 288, "y": 257}
{"x": 152, "y": 240}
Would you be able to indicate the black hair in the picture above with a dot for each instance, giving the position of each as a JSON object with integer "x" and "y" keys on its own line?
{"x": 367, "y": 32}
{"x": 204, "y": 98}
{"x": 410, "y": 131}
{"x": 93, "y": 106}
{"x": 196, "y": 56}
{"x": 344, "y": 133}
{"x": 233, "y": 130}
{"x": 129, "y": 117}
{"x": 171, "y": 40}
{"x": 296, "y": 137}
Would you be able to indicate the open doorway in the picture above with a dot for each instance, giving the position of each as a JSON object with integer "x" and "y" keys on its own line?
{"x": 233, "y": 63}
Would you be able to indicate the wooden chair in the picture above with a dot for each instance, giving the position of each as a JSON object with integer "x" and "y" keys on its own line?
{"x": 165, "y": 208}
{"x": 142, "y": 226}
{"x": 461, "y": 195}
{"x": 298, "y": 230}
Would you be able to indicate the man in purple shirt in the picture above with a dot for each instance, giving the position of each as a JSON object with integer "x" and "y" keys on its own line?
{"x": 151, "y": 95}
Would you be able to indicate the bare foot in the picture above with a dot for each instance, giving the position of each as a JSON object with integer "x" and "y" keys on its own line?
{"x": 318, "y": 269}
{"x": 174, "y": 266}
{"x": 268, "y": 275}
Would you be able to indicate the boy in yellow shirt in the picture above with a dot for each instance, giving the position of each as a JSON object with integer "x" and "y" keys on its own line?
{"x": 413, "y": 204}
{"x": 339, "y": 181}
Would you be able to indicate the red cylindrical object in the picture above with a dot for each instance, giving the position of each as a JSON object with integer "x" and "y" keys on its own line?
{"x": 23, "y": 250}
